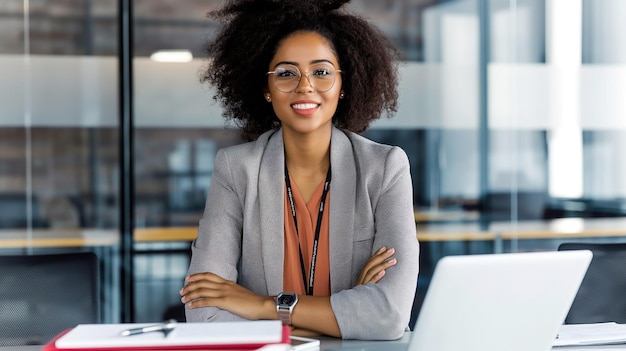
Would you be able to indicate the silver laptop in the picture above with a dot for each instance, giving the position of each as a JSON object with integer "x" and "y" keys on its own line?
{"x": 498, "y": 302}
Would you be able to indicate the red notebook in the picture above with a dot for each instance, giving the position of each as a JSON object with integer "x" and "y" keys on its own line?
{"x": 245, "y": 336}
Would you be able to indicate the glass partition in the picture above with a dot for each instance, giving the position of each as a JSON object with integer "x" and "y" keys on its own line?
{"x": 511, "y": 113}
{"x": 58, "y": 133}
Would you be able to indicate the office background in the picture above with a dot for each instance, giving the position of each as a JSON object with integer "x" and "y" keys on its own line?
{"x": 511, "y": 112}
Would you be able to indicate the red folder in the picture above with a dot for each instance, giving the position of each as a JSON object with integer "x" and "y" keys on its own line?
{"x": 51, "y": 345}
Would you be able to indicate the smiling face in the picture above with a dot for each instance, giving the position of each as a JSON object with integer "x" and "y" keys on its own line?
{"x": 305, "y": 110}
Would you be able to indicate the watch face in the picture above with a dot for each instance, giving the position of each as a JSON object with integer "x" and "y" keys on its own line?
{"x": 287, "y": 299}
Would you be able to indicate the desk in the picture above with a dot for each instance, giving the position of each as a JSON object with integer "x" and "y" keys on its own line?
{"x": 165, "y": 234}
{"x": 54, "y": 238}
{"x": 434, "y": 215}
{"x": 564, "y": 228}
{"x": 528, "y": 229}
{"x": 89, "y": 237}
{"x": 442, "y": 239}
{"x": 329, "y": 344}
{"x": 498, "y": 232}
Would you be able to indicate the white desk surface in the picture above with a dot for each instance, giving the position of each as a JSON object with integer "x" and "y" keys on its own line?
{"x": 329, "y": 344}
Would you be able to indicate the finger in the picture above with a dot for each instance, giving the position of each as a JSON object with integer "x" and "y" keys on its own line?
{"x": 202, "y": 293}
{"x": 388, "y": 253}
{"x": 379, "y": 256}
{"x": 203, "y": 284}
{"x": 373, "y": 265}
{"x": 373, "y": 274}
{"x": 192, "y": 281}
{"x": 377, "y": 259}
{"x": 376, "y": 278}
{"x": 204, "y": 276}
{"x": 207, "y": 291}
{"x": 366, "y": 275}
{"x": 205, "y": 301}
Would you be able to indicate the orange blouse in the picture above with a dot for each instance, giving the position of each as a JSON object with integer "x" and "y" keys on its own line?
{"x": 306, "y": 214}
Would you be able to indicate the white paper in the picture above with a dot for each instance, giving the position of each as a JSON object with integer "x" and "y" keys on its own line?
{"x": 299, "y": 343}
{"x": 275, "y": 347}
{"x": 591, "y": 334}
{"x": 108, "y": 335}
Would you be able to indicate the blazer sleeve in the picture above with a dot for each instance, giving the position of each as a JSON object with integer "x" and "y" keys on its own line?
{"x": 217, "y": 248}
{"x": 386, "y": 306}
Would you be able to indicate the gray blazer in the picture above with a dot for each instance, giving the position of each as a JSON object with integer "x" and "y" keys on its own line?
{"x": 241, "y": 233}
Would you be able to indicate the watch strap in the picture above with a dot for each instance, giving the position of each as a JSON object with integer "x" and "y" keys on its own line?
{"x": 285, "y": 302}
{"x": 284, "y": 314}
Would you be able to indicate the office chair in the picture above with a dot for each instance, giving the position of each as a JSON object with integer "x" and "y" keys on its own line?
{"x": 175, "y": 312}
{"x": 43, "y": 295}
{"x": 602, "y": 293}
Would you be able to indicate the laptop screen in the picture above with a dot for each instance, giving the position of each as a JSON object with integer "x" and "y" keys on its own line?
{"x": 495, "y": 302}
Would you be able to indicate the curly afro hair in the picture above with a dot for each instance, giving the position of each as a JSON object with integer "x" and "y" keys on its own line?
{"x": 242, "y": 51}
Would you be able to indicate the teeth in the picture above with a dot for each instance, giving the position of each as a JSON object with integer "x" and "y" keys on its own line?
{"x": 304, "y": 106}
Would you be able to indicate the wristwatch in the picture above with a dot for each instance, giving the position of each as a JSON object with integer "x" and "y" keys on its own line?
{"x": 285, "y": 302}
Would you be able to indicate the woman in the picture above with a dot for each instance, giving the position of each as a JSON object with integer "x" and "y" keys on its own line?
{"x": 309, "y": 223}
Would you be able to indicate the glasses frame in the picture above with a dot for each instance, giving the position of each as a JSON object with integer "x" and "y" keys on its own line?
{"x": 300, "y": 75}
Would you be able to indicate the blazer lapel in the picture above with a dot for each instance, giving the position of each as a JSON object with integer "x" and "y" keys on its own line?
{"x": 342, "y": 207}
{"x": 271, "y": 198}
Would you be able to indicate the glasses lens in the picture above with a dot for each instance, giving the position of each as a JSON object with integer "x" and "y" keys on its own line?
{"x": 321, "y": 76}
{"x": 286, "y": 77}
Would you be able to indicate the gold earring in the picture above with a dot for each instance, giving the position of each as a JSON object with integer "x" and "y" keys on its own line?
{"x": 341, "y": 95}
{"x": 268, "y": 98}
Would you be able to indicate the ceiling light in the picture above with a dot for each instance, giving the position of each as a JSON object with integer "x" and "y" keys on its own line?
{"x": 172, "y": 56}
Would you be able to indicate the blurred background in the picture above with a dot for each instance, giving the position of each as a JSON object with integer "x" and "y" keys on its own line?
{"x": 511, "y": 113}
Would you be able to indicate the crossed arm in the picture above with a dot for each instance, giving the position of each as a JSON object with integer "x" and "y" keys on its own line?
{"x": 313, "y": 315}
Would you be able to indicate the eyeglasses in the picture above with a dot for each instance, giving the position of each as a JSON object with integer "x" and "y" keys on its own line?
{"x": 321, "y": 77}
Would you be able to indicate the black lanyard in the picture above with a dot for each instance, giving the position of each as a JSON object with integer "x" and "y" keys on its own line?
{"x": 308, "y": 287}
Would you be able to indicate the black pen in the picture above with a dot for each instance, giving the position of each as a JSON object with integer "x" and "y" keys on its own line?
{"x": 165, "y": 327}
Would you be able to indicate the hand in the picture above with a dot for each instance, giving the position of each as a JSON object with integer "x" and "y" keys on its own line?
{"x": 374, "y": 269}
{"x": 208, "y": 289}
